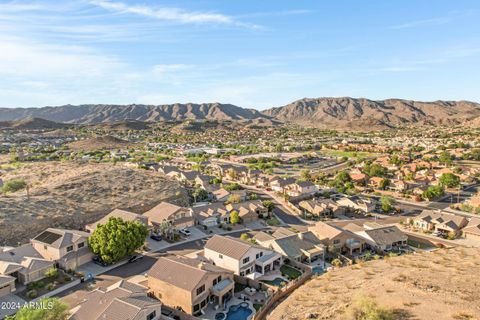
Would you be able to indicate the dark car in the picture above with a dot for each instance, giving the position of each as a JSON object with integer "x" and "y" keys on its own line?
{"x": 98, "y": 260}
{"x": 156, "y": 237}
{"x": 134, "y": 258}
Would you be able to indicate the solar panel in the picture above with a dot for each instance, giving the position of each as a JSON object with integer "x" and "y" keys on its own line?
{"x": 48, "y": 237}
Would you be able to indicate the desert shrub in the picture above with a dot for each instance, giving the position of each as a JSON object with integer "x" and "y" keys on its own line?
{"x": 365, "y": 308}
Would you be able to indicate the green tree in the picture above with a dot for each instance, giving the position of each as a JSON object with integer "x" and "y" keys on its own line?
{"x": 234, "y": 217}
{"x": 450, "y": 180}
{"x": 268, "y": 204}
{"x": 445, "y": 158}
{"x": 200, "y": 194}
{"x": 46, "y": 309}
{"x": 433, "y": 192}
{"x": 387, "y": 203}
{"x": 117, "y": 239}
{"x": 234, "y": 198}
{"x": 245, "y": 237}
{"x": 14, "y": 185}
{"x": 305, "y": 175}
{"x": 384, "y": 184}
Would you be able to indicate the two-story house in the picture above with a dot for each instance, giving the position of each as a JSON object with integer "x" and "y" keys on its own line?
{"x": 170, "y": 214}
{"x": 189, "y": 284}
{"x": 67, "y": 248}
{"x": 241, "y": 257}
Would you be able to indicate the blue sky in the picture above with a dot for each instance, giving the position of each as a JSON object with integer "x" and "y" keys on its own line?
{"x": 250, "y": 53}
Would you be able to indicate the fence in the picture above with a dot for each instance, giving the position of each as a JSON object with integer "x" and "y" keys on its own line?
{"x": 284, "y": 291}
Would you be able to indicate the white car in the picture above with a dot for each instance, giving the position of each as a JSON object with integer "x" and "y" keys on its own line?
{"x": 185, "y": 232}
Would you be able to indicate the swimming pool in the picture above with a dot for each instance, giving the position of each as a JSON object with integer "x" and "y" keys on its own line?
{"x": 318, "y": 270}
{"x": 279, "y": 282}
{"x": 239, "y": 312}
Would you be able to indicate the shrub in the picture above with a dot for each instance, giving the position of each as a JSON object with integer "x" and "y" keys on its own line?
{"x": 14, "y": 185}
{"x": 51, "y": 273}
{"x": 337, "y": 263}
{"x": 365, "y": 308}
{"x": 50, "y": 286}
{"x": 32, "y": 294}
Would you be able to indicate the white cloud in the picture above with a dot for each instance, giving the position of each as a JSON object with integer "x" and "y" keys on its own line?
{"x": 162, "y": 69}
{"x": 170, "y": 14}
{"x": 423, "y": 23}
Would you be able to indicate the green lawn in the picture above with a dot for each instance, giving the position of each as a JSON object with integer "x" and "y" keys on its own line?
{"x": 290, "y": 272}
{"x": 257, "y": 306}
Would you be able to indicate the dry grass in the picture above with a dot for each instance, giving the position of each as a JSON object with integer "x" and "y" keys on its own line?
{"x": 71, "y": 195}
{"x": 420, "y": 286}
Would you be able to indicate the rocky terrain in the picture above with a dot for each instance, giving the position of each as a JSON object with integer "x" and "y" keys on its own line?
{"x": 329, "y": 113}
{"x": 361, "y": 114}
{"x": 102, "y": 142}
{"x": 432, "y": 285}
{"x": 32, "y": 123}
{"x": 90, "y": 114}
{"x": 71, "y": 195}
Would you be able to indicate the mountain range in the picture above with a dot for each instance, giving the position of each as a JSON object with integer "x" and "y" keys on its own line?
{"x": 333, "y": 113}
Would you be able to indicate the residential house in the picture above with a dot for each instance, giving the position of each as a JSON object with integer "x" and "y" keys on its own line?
{"x": 337, "y": 239}
{"x": 250, "y": 177}
{"x": 189, "y": 284}
{"x": 357, "y": 203}
{"x": 380, "y": 238}
{"x": 249, "y": 211}
{"x": 278, "y": 184}
{"x": 122, "y": 300}
{"x": 320, "y": 207}
{"x": 301, "y": 247}
{"x": 24, "y": 265}
{"x": 211, "y": 215}
{"x": 221, "y": 195}
{"x": 67, "y": 248}
{"x": 169, "y": 215}
{"x": 120, "y": 214}
{"x": 241, "y": 257}
{"x": 300, "y": 189}
{"x": 472, "y": 230}
{"x": 429, "y": 220}
{"x": 375, "y": 182}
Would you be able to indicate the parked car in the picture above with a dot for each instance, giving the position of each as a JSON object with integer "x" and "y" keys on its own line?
{"x": 156, "y": 237}
{"x": 134, "y": 258}
{"x": 185, "y": 232}
{"x": 98, "y": 260}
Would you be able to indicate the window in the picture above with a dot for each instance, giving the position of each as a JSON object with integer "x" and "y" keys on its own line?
{"x": 220, "y": 256}
{"x": 196, "y": 307}
{"x": 81, "y": 245}
{"x": 336, "y": 241}
{"x": 246, "y": 260}
{"x": 69, "y": 248}
{"x": 152, "y": 316}
{"x": 200, "y": 289}
{"x": 259, "y": 255}
{"x": 217, "y": 280}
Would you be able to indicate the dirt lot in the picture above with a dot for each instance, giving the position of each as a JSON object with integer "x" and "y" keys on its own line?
{"x": 72, "y": 194}
{"x": 432, "y": 285}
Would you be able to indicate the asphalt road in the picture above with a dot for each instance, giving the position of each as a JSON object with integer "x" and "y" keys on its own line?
{"x": 287, "y": 217}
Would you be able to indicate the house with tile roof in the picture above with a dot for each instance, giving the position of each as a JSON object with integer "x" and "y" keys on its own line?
{"x": 337, "y": 239}
{"x": 67, "y": 248}
{"x": 189, "y": 284}
{"x": 429, "y": 220}
{"x": 24, "y": 265}
{"x": 118, "y": 213}
{"x": 172, "y": 215}
{"x": 472, "y": 230}
{"x": 301, "y": 247}
{"x": 241, "y": 257}
{"x": 122, "y": 300}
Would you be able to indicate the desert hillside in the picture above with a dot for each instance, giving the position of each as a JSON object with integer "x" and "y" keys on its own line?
{"x": 91, "y": 114}
{"x": 433, "y": 285}
{"x": 361, "y": 114}
{"x": 71, "y": 195}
